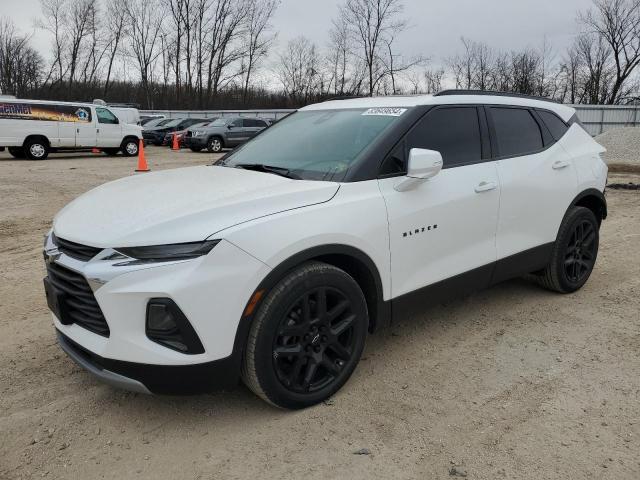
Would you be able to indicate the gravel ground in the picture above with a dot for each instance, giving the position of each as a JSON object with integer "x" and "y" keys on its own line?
{"x": 623, "y": 148}
{"x": 512, "y": 382}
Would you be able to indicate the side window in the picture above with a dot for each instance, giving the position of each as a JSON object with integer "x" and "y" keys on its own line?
{"x": 261, "y": 123}
{"x": 452, "y": 131}
{"x": 237, "y": 122}
{"x": 105, "y": 116}
{"x": 248, "y": 122}
{"x": 517, "y": 132}
{"x": 556, "y": 126}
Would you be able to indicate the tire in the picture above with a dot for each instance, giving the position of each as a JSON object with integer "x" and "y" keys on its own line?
{"x": 574, "y": 253}
{"x": 196, "y": 149}
{"x": 130, "y": 147}
{"x": 112, "y": 152}
{"x": 36, "y": 149}
{"x": 294, "y": 363}
{"x": 215, "y": 145}
{"x": 17, "y": 152}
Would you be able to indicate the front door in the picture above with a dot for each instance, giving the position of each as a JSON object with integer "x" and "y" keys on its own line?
{"x": 109, "y": 131}
{"x": 445, "y": 226}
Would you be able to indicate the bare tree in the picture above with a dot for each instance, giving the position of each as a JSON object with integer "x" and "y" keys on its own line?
{"x": 617, "y": 22}
{"x": 78, "y": 28}
{"x": 298, "y": 70}
{"x": 54, "y": 21}
{"x": 371, "y": 23}
{"x": 597, "y": 77}
{"x": 258, "y": 37}
{"x": 433, "y": 80}
{"x": 114, "y": 31}
{"x": 19, "y": 62}
{"x": 143, "y": 29}
{"x": 226, "y": 18}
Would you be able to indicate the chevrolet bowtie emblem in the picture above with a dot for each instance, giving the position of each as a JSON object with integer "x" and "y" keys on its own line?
{"x": 52, "y": 255}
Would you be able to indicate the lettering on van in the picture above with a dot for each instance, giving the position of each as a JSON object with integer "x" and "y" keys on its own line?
{"x": 44, "y": 112}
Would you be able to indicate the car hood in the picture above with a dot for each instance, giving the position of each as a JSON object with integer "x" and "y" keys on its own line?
{"x": 181, "y": 205}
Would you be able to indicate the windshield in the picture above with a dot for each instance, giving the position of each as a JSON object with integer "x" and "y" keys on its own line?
{"x": 316, "y": 144}
{"x": 155, "y": 122}
{"x": 221, "y": 122}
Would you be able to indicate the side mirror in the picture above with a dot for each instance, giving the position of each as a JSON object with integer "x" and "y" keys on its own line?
{"x": 422, "y": 165}
{"x": 229, "y": 127}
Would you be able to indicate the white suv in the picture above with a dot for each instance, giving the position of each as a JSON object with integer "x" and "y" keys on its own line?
{"x": 275, "y": 263}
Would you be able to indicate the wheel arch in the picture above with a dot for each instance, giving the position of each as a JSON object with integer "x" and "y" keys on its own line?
{"x": 127, "y": 138}
{"x": 34, "y": 136}
{"x": 350, "y": 259}
{"x": 216, "y": 135}
{"x": 594, "y": 200}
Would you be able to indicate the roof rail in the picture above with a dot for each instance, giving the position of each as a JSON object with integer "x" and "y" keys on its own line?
{"x": 445, "y": 93}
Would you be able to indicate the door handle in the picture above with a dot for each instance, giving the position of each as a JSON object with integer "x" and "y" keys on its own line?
{"x": 560, "y": 164}
{"x": 485, "y": 186}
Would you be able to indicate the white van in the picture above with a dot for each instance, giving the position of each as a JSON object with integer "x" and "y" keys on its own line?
{"x": 126, "y": 114}
{"x": 34, "y": 128}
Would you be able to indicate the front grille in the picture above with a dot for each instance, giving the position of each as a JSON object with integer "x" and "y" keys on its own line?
{"x": 80, "y": 305}
{"x": 75, "y": 250}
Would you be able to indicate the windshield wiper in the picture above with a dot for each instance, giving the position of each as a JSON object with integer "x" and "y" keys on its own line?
{"x": 259, "y": 167}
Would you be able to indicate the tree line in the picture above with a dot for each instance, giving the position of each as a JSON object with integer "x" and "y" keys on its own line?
{"x": 205, "y": 54}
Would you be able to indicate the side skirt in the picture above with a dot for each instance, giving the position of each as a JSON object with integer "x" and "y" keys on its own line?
{"x": 466, "y": 283}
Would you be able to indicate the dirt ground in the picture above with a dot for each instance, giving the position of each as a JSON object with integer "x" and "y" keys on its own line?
{"x": 512, "y": 382}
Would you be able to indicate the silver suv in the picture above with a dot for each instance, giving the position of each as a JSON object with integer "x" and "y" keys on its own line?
{"x": 224, "y": 133}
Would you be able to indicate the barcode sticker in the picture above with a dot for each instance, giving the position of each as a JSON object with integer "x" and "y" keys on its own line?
{"x": 387, "y": 111}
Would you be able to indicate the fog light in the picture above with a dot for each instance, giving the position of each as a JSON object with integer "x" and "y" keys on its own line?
{"x": 168, "y": 326}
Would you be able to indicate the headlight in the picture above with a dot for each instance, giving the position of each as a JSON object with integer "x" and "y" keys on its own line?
{"x": 166, "y": 253}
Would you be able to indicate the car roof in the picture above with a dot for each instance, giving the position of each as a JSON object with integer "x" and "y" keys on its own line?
{"x": 563, "y": 111}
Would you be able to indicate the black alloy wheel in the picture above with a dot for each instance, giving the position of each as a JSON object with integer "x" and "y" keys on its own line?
{"x": 306, "y": 337}
{"x": 315, "y": 340}
{"x": 580, "y": 253}
{"x": 574, "y": 252}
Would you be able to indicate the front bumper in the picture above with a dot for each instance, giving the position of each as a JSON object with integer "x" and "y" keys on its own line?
{"x": 153, "y": 139}
{"x": 212, "y": 292}
{"x": 158, "y": 379}
{"x": 200, "y": 141}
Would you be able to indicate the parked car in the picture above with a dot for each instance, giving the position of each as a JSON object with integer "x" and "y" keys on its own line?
{"x": 226, "y": 132}
{"x": 157, "y": 122}
{"x": 146, "y": 120}
{"x": 34, "y": 128}
{"x": 168, "y": 138}
{"x": 275, "y": 263}
{"x": 155, "y": 135}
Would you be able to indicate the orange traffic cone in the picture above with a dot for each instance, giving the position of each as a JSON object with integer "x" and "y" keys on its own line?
{"x": 95, "y": 150}
{"x": 174, "y": 145}
{"x": 142, "y": 162}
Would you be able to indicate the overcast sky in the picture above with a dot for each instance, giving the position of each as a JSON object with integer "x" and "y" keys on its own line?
{"x": 435, "y": 25}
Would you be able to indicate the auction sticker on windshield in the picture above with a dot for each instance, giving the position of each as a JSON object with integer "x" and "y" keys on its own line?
{"x": 387, "y": 111}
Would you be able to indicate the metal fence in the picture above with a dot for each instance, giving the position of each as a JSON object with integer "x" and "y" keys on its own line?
{"x": 275, "y": 114}
{"x": 596, "y": 118}
{"x": 600, "y": 118}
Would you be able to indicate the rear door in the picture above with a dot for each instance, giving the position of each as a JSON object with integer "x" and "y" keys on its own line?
{"x": 537, "y": 177}
{"x": 236, "y": 134}
{"x": 109, "y": 131}
{"x": 445, "y": 226}
{"x": 85, "y": 125}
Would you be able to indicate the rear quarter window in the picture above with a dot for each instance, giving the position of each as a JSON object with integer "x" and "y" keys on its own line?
{"x": 555, "y": 125}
